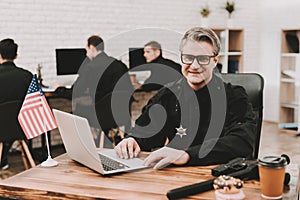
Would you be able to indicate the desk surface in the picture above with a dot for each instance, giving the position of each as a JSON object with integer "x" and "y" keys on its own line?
{"x": 74, "y": 181}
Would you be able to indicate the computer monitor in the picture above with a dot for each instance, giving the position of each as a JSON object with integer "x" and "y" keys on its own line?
{"x": 68, "y": 61}
{"x": 136, "y": 57}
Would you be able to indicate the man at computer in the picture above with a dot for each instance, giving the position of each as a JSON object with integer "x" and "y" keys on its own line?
{"x": 14, "y": 83}
{"x": 98, "y": 76}
{"x": 204, "y": 120}
{"x": 155, "y": 63}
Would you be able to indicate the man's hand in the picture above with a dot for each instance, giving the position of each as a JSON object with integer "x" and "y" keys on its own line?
{"x": 128, "y": 148}
{"x": 166, "y": 156}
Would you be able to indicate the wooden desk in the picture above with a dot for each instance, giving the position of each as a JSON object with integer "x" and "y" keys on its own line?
{"x": 74, "y": 181}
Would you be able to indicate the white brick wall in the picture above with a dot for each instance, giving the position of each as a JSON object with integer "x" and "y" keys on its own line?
{"x": 41, "y": 26}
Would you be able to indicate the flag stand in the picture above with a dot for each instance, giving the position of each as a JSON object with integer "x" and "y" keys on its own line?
{"x": 49, "y": 162}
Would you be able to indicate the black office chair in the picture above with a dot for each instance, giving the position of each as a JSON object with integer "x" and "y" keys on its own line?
{"x": 10, "y": 130}
{"x": 254, "y": 85}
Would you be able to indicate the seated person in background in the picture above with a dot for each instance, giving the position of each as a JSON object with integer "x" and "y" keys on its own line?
{"x": 14, "y": 83}
{"x": 206, "y": 120}
{"x": 98, "y": 76}
{"x": 153, "y": 55}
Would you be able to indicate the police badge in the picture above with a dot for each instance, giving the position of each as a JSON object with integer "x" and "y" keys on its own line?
{"x": 181, "y": 131}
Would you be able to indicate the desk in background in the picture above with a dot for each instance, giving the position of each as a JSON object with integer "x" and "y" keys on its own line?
{"x": 70, "y": 180}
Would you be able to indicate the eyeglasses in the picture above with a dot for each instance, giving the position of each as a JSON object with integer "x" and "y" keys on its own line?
{"x": 201, "y": 59}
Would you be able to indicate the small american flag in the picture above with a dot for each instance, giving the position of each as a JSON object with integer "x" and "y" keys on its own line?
{"x": 35, "y": 116}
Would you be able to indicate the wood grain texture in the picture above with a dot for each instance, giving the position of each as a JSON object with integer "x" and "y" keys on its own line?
{"x": 70, "y": 180}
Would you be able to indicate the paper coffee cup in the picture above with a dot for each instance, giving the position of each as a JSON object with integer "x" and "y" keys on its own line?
{"x": 271, "y": 175}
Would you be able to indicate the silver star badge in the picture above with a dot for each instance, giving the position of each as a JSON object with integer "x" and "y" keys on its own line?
{"x": 181, "y": 131}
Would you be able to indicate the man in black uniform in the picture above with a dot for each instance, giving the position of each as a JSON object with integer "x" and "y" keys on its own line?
{"x": 157, "y": 64}
{"x": 98, "y": 77}
{"x": 14, "y": 83}
{"x": 153, "y": 54}
{"x": 205, "y": 120}
{"x": 99, "y": 68}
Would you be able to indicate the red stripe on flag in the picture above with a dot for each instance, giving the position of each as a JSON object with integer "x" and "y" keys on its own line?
{"x": 33, "y": 95}
{"x": 32, "y": 102}
{"x": 29, "y": 97}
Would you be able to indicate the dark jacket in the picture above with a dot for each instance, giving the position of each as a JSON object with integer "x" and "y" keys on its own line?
{"x": 219, "y": 121}
{"x": 14, "y": 82}
{"x": 98, "y": 77}
{"x": 168, "y": 62}
{"x": 163, "y": 71}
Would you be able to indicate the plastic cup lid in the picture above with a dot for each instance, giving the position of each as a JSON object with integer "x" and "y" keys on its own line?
{"x": 273, "y": 161}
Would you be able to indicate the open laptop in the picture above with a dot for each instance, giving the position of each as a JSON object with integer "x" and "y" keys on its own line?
{"x": 80, "y": 146}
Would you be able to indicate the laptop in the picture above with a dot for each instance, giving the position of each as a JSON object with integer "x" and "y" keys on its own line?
{"x": 80, "y": 146}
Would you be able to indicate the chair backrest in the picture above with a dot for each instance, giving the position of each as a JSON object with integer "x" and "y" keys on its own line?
{"x": 10, "y": 128}
{"x": 254, "y": 85}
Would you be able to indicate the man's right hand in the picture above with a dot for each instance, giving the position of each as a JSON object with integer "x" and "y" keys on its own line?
{"x": 128, "y": 148}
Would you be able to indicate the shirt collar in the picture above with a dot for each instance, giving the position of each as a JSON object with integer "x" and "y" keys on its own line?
{"x": 7, "y": 64}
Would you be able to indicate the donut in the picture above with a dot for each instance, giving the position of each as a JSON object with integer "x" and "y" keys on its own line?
{"x": 228, "y": 188}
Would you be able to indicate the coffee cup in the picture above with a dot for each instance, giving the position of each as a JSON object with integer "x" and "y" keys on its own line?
{"x": 271, "y": 175}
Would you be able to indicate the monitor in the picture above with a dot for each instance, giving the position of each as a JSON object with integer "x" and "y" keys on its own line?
{"x": 136, "y": 57}
{"x": 68, "y": 61}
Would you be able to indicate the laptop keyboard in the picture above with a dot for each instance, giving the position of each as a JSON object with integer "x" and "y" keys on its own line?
{"x": 109, "y": 164}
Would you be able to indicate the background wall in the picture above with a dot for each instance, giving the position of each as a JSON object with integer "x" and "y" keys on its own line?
{"x": 39, "y": 27}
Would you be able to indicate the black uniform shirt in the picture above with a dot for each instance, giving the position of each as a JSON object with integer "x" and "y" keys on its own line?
{"x": 14, "y": 82}
{"x": 219, "y": 122}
